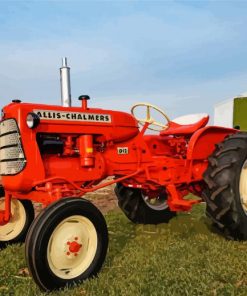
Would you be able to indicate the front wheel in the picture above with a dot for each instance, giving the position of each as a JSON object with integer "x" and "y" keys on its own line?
{"x": 66, "y": 244}
{"x": 22, "y": 215}
{"x": 226, "y": 192}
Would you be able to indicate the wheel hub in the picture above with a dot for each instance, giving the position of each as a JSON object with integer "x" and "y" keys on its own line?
{"x": 73, "y": 247}
{"x": 157, "y": 203}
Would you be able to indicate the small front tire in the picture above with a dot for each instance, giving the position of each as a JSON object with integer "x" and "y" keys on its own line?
{"x": 16, "y": 229}
{"x": 66, "y": 244}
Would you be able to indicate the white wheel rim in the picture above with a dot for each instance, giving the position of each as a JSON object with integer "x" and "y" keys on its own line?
{"x": 158, "y": 203}
{"x": 72, "y": 247}
{"x": 243, "y": 187}
{"x": 16, "y": 223}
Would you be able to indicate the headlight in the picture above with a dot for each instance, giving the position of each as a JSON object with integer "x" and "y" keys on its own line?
{"x": 32, "y": 120}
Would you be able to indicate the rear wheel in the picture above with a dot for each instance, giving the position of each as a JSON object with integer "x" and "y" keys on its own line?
{"x": 22, "y": 215}
{"x": 140, "y": 208}
{"x": 226, "y": 193}
{"x": 66, "y": 244}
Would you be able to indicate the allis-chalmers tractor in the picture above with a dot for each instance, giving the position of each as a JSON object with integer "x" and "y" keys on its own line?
{"x": 54, "y": 155}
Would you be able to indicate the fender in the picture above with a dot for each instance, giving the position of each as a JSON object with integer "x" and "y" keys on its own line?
{"x": 203, "y": 141}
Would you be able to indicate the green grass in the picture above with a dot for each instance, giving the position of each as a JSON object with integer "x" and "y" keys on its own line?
{"x": 182, "y": 258}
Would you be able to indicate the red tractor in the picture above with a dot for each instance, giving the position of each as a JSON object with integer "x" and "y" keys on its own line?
{"x": 54, "y": 155}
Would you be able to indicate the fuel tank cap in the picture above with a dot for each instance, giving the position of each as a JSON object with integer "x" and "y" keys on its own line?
{"x": 83, "y": 97}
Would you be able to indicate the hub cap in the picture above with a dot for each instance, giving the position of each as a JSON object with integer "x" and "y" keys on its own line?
{"x": 16, "y": 223}
{"x": 243, "y": 187}
{"x": 158, "y": 203}
{"x": 72, "y": 247}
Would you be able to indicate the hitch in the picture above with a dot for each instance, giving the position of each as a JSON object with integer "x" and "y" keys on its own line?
{"x": 176, "y": 202}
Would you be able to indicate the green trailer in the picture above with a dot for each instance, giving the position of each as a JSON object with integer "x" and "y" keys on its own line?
{"x": 232, "y": 113}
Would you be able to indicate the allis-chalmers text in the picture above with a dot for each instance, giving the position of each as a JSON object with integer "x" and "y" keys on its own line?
{"x": 72, "y": 116}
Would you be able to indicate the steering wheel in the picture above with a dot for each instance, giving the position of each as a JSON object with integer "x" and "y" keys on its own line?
{"x": 148, "y": 118}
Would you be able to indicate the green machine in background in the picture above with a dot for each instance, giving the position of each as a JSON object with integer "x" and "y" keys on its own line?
{"x": 240, "y": 113}
{"x": 232, "y": 113}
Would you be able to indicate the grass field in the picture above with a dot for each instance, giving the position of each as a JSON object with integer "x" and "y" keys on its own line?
{"x": 182, "y": 258}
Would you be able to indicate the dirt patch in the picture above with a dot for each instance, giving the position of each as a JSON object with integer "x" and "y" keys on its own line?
{"x": 104, "y": 199}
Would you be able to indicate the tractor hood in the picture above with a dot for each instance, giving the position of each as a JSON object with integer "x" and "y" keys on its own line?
{"x": 114, "y": 125}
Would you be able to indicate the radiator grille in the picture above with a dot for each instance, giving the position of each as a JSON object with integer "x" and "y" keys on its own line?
{"x": 12, "y": 158}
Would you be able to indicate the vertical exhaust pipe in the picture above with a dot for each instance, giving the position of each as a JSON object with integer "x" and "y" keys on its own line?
{"x": 65, "y": 84}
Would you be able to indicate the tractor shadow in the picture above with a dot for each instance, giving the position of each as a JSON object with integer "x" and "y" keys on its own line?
{"x": 194, "y": 223}
{"x": 185, "y": 226}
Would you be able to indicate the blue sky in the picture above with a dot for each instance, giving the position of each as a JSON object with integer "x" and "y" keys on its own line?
{"x": 183, "y": 56}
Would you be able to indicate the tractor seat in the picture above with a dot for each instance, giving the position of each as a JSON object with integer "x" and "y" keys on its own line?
{"x": 186, "y": 125}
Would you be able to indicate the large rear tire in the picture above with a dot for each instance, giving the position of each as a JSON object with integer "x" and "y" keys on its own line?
{"x": 66, "y": 244}
{"x": 226, "y": 192}
{"x": 140, "y": 209}
{"x": 16, "y": 229}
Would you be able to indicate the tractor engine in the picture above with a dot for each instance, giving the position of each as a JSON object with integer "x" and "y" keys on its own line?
{"x": 40, "y": 142}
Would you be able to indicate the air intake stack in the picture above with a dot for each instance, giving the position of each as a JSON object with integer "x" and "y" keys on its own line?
{"x": 65, "y": 84}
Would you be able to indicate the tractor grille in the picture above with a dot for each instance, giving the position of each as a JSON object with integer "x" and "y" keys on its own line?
{"x": 12, "y": 158}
